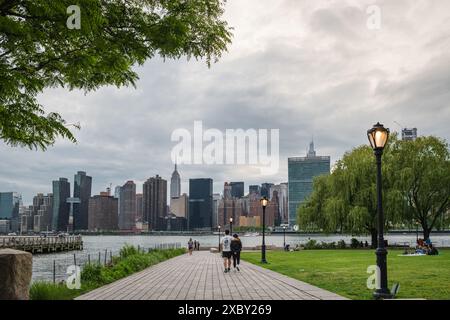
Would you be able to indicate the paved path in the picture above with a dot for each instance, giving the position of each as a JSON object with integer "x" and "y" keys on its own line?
{"x": 201, "y": 277}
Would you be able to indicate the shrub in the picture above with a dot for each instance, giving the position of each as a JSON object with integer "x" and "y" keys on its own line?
{"x": 311, "y": 244}
{"x": 341, "y": 244}
{"x": 354, "y": 243}
{"x": 49, "y": 291}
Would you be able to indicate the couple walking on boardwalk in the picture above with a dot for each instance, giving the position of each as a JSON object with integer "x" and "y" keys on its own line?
{"x": 231, "y": 247}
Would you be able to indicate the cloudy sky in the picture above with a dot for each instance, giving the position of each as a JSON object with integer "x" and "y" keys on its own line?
{"x": 308, "y": 68}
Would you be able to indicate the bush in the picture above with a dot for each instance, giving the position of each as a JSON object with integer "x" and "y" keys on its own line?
{"x": 49, "y": 291}
{"x": 311, "y": 245}
{"x": 354, "y": 243}
{"x": 341, "y": 244}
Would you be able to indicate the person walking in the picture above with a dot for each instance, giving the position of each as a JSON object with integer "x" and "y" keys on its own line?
{"x": 190, "y": 246}
{"x": 198, "y": 245}
{"x": 236, "y": 247}
{"x": 226, "y": 251}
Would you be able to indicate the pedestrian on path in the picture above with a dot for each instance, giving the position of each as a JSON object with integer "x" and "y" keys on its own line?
{"x": 190, "y": 246}
{"x": 236, "y": 247}
{"x": 226, "y": 251}
{"x": 198, "y": 245}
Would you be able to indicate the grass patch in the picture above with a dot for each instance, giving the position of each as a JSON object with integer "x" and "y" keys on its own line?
{"x": 96, "y": 275}
{"x": 344, "y": 271}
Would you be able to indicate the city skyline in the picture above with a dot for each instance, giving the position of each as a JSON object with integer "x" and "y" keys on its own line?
{"x": 288, "y": 68}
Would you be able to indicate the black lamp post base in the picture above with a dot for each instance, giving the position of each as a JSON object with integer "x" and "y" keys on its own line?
{"x": 382, "y": 294}
{"x": 263, "y": 253}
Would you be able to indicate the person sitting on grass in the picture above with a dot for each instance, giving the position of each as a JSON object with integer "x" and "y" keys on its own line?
{"x": 432, "y": 251}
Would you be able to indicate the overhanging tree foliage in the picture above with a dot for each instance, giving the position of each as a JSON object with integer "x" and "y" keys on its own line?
{"x": 38, "y": 51}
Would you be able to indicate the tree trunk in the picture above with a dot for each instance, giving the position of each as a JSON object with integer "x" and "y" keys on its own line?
{"x": 426, "y": 233}
{"x": 374, "y": 236}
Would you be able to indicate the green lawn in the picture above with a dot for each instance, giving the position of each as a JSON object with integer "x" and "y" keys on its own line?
{"x": 345, "y": 271}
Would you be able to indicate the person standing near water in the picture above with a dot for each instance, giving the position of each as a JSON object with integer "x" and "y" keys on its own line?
{"x": 226, "y": 251}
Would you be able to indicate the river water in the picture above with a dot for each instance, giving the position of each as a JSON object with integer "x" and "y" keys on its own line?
{"x": 97, "y": 247}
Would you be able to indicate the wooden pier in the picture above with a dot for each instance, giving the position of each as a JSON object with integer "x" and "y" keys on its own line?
{"x": 37, "y": 244}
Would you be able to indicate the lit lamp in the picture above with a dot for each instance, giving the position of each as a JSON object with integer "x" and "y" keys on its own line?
{"x": 231, "y": 226}
{"x": 378, "y": 137}
{"x": 264, "y": 202}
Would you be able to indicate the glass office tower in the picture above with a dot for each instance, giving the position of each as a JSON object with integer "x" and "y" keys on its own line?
{"x": 301, "y": 172}
{"x": 200, "y": 204}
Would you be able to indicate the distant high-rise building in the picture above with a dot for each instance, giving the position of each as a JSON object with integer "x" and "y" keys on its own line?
{"x": 265, "y": 189}
{"x": 255, "y": 212}
{"x": 409, "y": 134}
{"x": 254, "y": 189}
{"x": 179, "y": 206}
{"x": 280, "y": 191}
{"x": 10, "y": 202}
{"x": 127, "y": 209}
{"x": 175, "y": 184}
{"x": 81, "y": 190}
{"x": 237, "y": 189}
{"x": 42, "y": 212}
{"x": 215, "y": 218}
{"x": 200, "y": 203}
{"x": 117, "y": 192}
{"x": 301, "y": 171}
{"x": 139, "y": 207}
{"x": 103, "y": 213}
{"x": 155, "y": 202}
{"x": 61, "y": 208}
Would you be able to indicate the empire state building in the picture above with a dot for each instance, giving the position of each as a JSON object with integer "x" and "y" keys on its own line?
{"x": 175, "y": 184}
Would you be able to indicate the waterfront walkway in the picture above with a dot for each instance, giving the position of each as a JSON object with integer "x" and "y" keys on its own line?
{"x": 201, "y": 277}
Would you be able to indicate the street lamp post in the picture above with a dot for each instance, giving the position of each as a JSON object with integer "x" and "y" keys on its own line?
{"x": 219, "y": 237}
{"x": 284, "y": 237}
{"x": 378, "y": 137}
{"x": 264, "y": 202}
{"x": 231, "y": 226}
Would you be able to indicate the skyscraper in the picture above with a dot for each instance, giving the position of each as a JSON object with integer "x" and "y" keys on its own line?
{"x": 139, "y": 207}
{"x": 61, "y": 208}
{"x": 81, "y": 190}
{"x": 237, "y": 189}
{"x": 216, "y": 201}
{"x": 301, "y": 171}
{"x": 127, "y": 209}
{"x": 280, "y": 191}
{"x": 9, "y": 204}
{"x": 409, "y": 134}
{"x": 175, "y": 184}
{"x": 42, "y": 212}
{"x": 265, "y": 189}
{"x": 200, "y": 203}
{"x": 254, "y": 189}
{"x": 103, "y": 213}
{"x": 155, "y": 202}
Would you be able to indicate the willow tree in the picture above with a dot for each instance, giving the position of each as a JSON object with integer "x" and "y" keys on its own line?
{"x": 422, "y": 174}
{"x": 346, "y": 201}
{"x": 38, "y": 50}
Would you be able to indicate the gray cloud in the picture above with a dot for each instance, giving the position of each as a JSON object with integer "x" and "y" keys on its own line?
{"x": 308, "y": 68}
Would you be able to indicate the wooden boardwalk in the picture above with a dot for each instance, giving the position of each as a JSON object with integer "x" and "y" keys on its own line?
{"x": 201, "y": 277}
